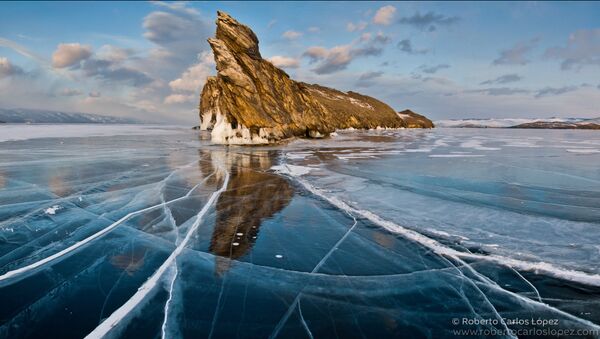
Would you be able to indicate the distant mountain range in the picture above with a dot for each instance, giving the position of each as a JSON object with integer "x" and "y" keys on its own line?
{"x": 22, "y": 115}
{"x": 551, "y": 123}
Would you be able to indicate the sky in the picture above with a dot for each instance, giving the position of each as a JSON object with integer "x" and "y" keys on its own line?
{"x": 446, "y": 60}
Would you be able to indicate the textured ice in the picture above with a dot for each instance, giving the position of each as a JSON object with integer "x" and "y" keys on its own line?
{"x": 388, "y": 233}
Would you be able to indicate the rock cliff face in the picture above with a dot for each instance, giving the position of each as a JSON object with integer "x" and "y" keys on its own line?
{"x": 251, "y": 101}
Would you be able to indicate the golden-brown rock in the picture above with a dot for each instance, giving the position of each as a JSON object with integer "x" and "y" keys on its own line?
{"x": 251, "y": 101}
{"x": 415, "y": 120}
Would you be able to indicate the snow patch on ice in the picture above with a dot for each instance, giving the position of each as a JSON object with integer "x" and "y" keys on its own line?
{"x": 456, "y": 155}
{"x": 418, "y": 150}
{"x": 292, "y": 170}
{"x": 52, "y": 210}
{"x": 583, "y": 151}
{"x": 476, "y": 144}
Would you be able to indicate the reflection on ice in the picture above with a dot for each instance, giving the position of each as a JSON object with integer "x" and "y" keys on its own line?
{"x": 251, "y": 196}
{"x": 378, "y": 234}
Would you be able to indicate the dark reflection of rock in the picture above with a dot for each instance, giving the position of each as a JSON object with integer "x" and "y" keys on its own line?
{"x": 58, "y": 184}
{"x": 129, "y": 262}
{"x": 252, "y": 196}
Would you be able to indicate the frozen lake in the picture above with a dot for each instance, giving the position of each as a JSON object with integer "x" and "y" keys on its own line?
{"x": 151, "y": 231}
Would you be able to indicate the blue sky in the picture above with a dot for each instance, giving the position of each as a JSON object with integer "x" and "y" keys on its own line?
{"x": 149, "y": 60}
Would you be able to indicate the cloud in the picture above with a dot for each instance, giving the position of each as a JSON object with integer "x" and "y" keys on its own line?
{"x": 8, "y": 69}
{"x": 384, "y": 15}
{"x": 316, "y": 53}
{"x": 71, "y": 54}
{"x": 94, "y": 94}
{"x": 583, "y": 48}
{"x": 552, "y": 91}
{"x": 433, "y": 69}
{"x": 70, "y": 92}
{"x": 336, "y": 59}
{"x": 498, "y": 91}
{"x": 111, "y": 71}
{"x": 188, "y": 85}
{"x": 366, "y": 79}
{"x": 428, "y": 21}
{"x": 271, "y": 24}
{"x": 370, "y": 75}
{"x": 180, "y": 98}
{"x": 313, "y": 29}
{"x": 179, "y": 31}
{"x": 406, "y": 46}
{"x": 21, "y": 50}
{"x": 352, "y": 27}
{"x": 339, "y": 57}
{"x": 517, "y": 54}
{"x": 381, "y": 38}
{"x": 291, "y": 35}
{"x": 114, "y": 53}
{"x": 284, "y": 62}
{"x": 503, "y": 79}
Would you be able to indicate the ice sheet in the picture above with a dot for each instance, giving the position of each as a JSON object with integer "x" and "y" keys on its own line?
{"x": 385, "y": 233}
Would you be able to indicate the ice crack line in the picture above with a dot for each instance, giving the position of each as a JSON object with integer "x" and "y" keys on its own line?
{"x": 117, "y": 316}
{"x": 296, "y": 302}
{"x": 581, "y": 277}
{"x": 21, "y": 271}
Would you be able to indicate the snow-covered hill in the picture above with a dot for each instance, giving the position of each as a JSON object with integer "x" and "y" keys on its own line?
{"x": 21, "y": 115}
{"x": 525, "y": 123}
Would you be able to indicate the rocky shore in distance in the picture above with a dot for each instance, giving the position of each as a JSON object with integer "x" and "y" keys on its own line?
{"x": 548, "y": 123}
{"x": 250, "y": 101}
{"x": 560, "y": 125}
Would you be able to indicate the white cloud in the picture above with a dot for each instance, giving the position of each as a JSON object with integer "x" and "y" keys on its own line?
{"x": 360, "y": 26}
{"x": 384, "y": 15}
{"x": 187, "y": 87}
{"x": 181, "y": 98}
{"x": 70, "y": 54}
{"x": 339, "y": 57}
{"x": 284, "y": 62}
{"x": 314, "y": 29}
{"x": 114, "y": 53}
{"x": 291, "y": 35}
{"x": 8, "y": 69}
{"x": 316, "y": 52}
{"x": 21, "y": 50}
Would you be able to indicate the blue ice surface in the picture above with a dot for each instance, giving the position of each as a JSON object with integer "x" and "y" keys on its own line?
{"x": 394, "y": 233}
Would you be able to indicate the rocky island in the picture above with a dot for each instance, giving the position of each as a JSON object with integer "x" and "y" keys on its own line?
{"x": 584, "y": 124}
{"x": 250, "y": 101}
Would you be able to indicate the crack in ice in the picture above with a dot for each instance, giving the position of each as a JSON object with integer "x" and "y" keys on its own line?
{"x": 21, "y": 271}
{"x": 118, "y": 315}
{"x": 296, "y": 301}
{"x": 581, "y": 277}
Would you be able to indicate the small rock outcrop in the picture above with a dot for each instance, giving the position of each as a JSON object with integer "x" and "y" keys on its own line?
{"x": 250, "y": 101}
{"x": 415, "y": 120}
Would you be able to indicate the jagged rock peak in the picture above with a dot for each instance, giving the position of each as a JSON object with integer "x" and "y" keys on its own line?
{"x": 251, "y": 101}
{"x": 236, "y": 36}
